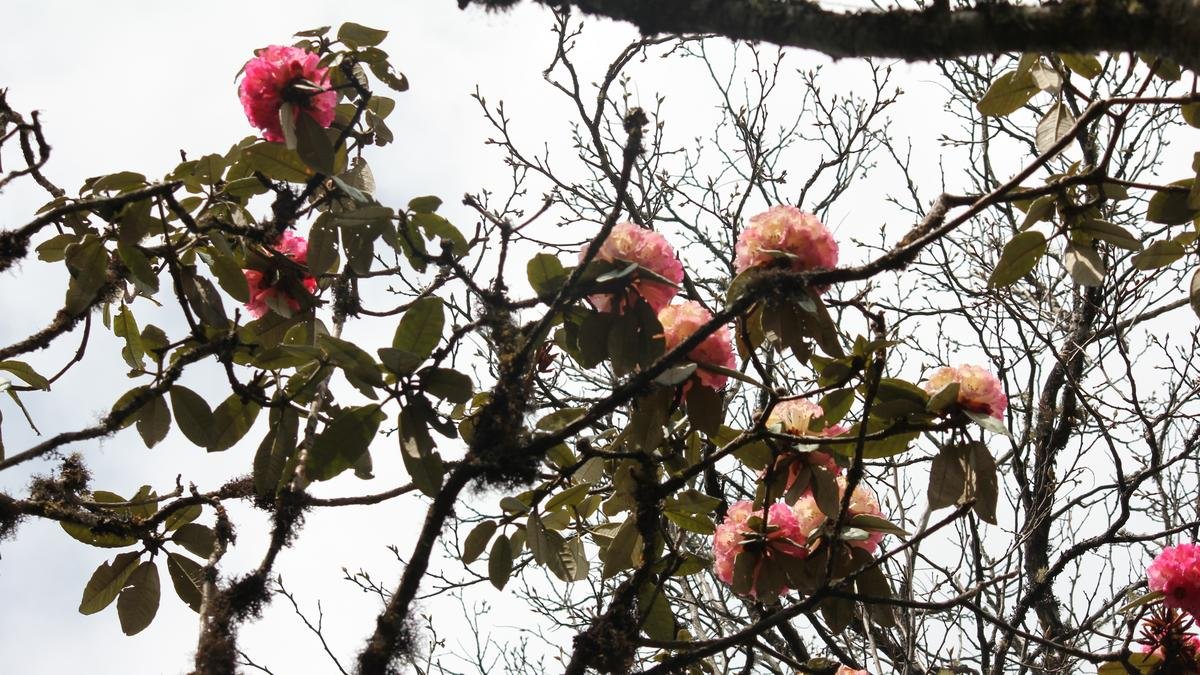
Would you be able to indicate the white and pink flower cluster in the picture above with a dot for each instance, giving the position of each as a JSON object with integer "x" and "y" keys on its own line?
{"x": 790, "y": 530}
{"x": 656, "y": 282}
{"x": 979, "y": 390}
{"x": 785, "y": 236}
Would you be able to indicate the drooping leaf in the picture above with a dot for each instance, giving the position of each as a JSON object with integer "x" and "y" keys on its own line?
{"x": 230, "y": 422}
{"x": 138, "y": 602}
{"x": 1021, "y": 254}
{"x": 1053, "y": 127}
{"x": 1158, "y": 254}
{"x": 187, "y": 576}
{"x": 107, "y": 581}
{"x": 1007, "y": 93}
{"x": 500, "y": 562}
{"x": 199, "y": 539}
{"x": 477, "y": 540}
{"x": 420, "y": 328}
{"x": 193, "y": 415}
{"x": 341, "y": 443}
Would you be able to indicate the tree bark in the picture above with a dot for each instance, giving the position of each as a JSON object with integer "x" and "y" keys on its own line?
{"x": 1166, "y": 28}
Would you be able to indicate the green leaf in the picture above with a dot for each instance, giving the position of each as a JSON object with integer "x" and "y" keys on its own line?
{"x": 624, "y": 547}
{"x": 274, "y": 160}
{"x": 357, "y": 35}
{"x": 313, "y": 145}
{"x": 199, "y": 539}
{"x": 872, "y": 523}
{"x": 275, "y": 452}
{"x": 1170, "y": 207}
{"x": 1110, "y": 233}
{"x": 705, "y": 409}
{"x": 420, "y": 329}
{"x": 138, "y": 602}
{"x": 947, "y": 478}
{"x": 322, "y": 246}
{"x": 229, "y": 275}
{"x": 351, "y": 358}
{"x": 500, "y": 562}
{"x": 437, "y": 226}
{"x": 230, "y": 421}
{"x": 1190, "y": 112}
{"x": 447, "y": 384}
{"x": 477, "y": 540}
{"x": 988, "y": 422}
{"x": 546, "y": 274}
{"x": 154, "y": 421}
{"x": 192, "y": 415}
{"x": 427, "y": 204}
{"x": 691, "y": 522}
{"x": 26, "y": 373}
{"x": 987, "y": 482}
{"x": 399, "y": 361}
{"x": 341, "y": 443}
{"x": 654, "y": 611}
{"x": 183, "y": 516}
{"x": 1053, "y": 127}
{"x": 1084, "y": 65}
{"x": 1194, "y": 292}
{"x": 187, "y": 576}
{"x": 106, "y": 582}
{"x": 204, "y": 299}
{"x": 1007, "y": 93}
{"x": 1019, "y": 257}
{"x": 1084, "y": 264}
{"x": 1158, "y": 254}
{"x": 87, "y": 263}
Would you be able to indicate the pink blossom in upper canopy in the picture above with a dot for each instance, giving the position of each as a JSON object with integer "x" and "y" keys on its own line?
{"x": 847, "y": 670}
{"x": 1176, "y": 574}
{"x": 785, "y": 232}
{"x": 979, "y": 390}
{"x": 680, "y": 321}
{"x": 787, "y": 539}
{"x": 631, "y": 243}
{"x": 268, "y": 82}
{"x": 293, "y": 246}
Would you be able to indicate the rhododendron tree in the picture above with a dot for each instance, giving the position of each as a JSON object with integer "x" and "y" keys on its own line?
{"x": 682, "y": 404}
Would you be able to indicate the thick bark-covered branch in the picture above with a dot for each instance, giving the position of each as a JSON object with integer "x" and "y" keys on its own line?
{"x": 1168, "y": 28}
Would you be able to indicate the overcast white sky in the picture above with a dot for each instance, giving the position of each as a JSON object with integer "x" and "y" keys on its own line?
{"x": 125, "y": 86}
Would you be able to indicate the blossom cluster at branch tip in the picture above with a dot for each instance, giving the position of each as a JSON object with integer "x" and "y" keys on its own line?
{"x": 798, "y": 418}
{"x": 631, "y": 243}
{"x": 680, "y": 321}
{"x": 272, "y": 78}
{"x": 785, "y": 538}
{"x": 263, "y": 287}
{"x": 979, "y": 390}
{"x": 1176, "y": 574}
{"x": 847, "y": 670}
{"x": 785, "y": 233}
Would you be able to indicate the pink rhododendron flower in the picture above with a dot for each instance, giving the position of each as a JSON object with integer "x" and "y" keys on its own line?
{"x": 810, "y": 517}
{"x": 786, "y": 540}
{"x": 263, "y": 288}
{"x": 847, "y": 670}
{"x": 786, "y": 232}
{"x": 270, "y": 81}
{"x": 1176, "y": 573}
{"x": 631, "y": 243}
{"x": 978, "y": 389}
{"x": 680, "y": 321}
{"x": 798, "y": 416}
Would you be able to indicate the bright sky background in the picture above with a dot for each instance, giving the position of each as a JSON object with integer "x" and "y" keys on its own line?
{"x": 125, "y": 86}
